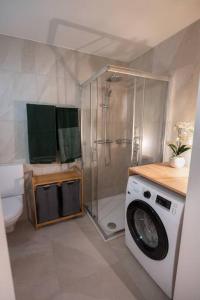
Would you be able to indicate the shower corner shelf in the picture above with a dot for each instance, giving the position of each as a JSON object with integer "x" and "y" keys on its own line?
{"x": 58, "y": 181}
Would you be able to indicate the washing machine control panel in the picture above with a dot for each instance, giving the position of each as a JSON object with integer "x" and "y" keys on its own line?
{"x": 163, "y": 202}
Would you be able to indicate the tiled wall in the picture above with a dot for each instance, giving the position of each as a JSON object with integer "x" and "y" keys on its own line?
{"x": 36, "y": 73}
{"x": 178, "y": 57}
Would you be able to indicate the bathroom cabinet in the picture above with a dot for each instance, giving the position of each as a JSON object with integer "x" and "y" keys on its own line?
{"x": 56, "y": 197}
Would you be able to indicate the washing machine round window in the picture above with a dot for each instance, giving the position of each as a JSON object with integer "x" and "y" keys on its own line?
{"x": 147, "y": 230}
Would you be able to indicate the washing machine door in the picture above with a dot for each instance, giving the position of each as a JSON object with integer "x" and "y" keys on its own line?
{"x": 147, "y": 230}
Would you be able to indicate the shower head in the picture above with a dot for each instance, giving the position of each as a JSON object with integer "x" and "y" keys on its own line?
{"x": 114, "y": 78}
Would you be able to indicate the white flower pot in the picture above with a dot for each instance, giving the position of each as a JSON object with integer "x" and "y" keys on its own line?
{"x": 177, "y": 162}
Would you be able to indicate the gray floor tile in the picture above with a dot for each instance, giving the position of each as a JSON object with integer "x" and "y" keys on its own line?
{"x": 70, "y": 261}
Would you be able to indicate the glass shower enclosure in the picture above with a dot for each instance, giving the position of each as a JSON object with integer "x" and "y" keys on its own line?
{"x": 123, "y": 115}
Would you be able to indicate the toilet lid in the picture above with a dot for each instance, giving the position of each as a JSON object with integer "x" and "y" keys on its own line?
{"x": 12, "y": 207}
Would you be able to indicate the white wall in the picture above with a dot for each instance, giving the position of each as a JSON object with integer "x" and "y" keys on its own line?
{"x": 6, "y": 282}
{"x": 179, "y": 58}
{"x": 188, "y": 273}
{"x": 36, "y": 73}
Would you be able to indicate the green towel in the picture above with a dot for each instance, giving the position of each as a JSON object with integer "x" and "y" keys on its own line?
{"x": 41, "y": 133}
{"x": 69, "y": 141}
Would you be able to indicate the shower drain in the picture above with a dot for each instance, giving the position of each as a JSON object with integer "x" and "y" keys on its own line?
{"x": 111, "y": 225}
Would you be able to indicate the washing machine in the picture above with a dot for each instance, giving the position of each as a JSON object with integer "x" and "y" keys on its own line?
{"x": 153, "y": 228}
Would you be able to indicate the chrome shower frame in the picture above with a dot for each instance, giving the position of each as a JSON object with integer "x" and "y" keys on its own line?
{"x": 124, "y": 71}
{"x": 135, "y": 142}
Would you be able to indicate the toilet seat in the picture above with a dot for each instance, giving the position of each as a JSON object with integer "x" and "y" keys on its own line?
{"x": 12, "y": 209}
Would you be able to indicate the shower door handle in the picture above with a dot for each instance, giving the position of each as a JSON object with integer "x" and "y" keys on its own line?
{"x": 102, "y": 142}
{"x": 123, "y": 141}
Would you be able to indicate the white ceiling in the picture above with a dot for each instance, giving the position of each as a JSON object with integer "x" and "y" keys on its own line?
{"x": 118, "y": 29}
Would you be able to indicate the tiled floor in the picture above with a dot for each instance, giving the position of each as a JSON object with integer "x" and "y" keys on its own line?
{"x": 70, "y": 261}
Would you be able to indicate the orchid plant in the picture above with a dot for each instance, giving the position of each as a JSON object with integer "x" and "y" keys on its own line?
{"x": 178, "y": 149}
{"x": 184, "y": 138}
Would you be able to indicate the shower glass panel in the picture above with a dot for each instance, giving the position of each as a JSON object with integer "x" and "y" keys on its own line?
{"x": 153, "y": 120}
{"x": 123, "y": 120}
{"x": 88, "y": 136}
{"x": 114, "y": 145}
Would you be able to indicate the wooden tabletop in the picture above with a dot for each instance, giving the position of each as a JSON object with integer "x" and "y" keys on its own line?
{"x": 56, "y": 177}
{"x": 161, "y": 173}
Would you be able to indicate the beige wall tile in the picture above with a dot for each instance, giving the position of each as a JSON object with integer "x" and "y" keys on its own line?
{"x": 11, "y": 53}
{"x": 7, "y": 142}
{"x": 28, "y": 57}
{"x": 45, "y": 59}
{"x": 47, "y": 91}
{"x": 24, "y": 87}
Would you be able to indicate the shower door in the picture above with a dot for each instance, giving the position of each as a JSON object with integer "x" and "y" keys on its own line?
{"x": 122, "y": 125}
{"x": 107, "y": 130}
{"x": 89, "y": 109}
{"x": 114, "y": 151}
{"x": 114, "y": 138}
{"x": 107, "y": 147}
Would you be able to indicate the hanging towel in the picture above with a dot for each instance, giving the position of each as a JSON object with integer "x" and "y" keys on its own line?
{"x": 68, "y": 132}
{"x": 41, "y": 133}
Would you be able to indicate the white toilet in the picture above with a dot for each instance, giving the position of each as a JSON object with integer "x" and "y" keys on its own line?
{"x": 11, "y": 190}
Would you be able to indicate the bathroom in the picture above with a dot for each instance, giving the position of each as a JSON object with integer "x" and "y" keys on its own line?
{"x": 129, "y": 90}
